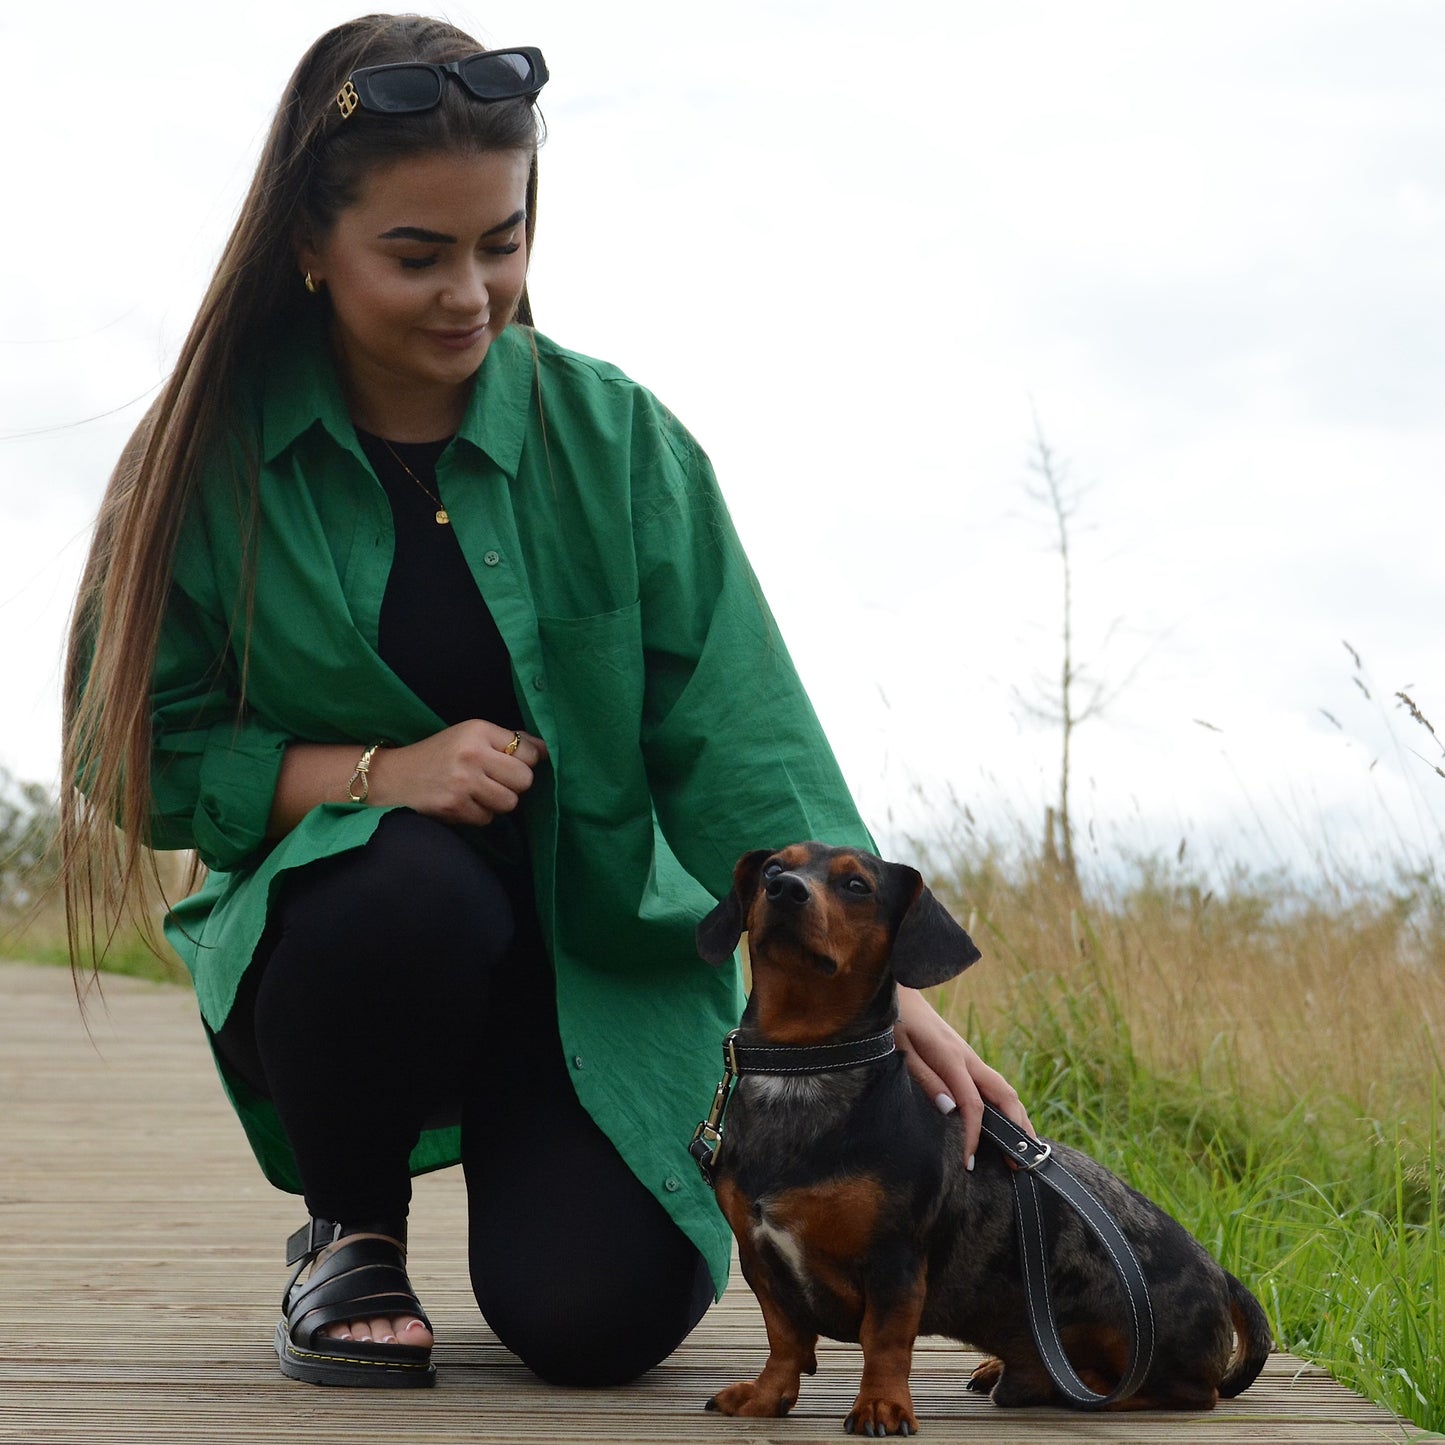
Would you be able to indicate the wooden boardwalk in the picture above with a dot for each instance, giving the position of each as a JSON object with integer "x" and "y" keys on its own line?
{"x": 140, "y": 1272}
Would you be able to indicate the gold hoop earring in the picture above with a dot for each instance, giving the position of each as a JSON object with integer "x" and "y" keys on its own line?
{"x": 310, "y": 285}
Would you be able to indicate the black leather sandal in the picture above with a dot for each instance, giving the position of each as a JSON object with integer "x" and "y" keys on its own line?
{"x": 363, "y": 1278}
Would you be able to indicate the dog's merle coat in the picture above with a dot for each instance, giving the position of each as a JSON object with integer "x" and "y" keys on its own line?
{"x": 854, "y": 1215}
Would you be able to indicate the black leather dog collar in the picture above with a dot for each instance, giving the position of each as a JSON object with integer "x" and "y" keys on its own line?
{"x": 778, "y": 1059}
{"x": 807, "y": 1058}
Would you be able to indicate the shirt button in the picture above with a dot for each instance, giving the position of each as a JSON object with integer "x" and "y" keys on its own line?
{"x": 539, "y": 683}
{"x": 491, "y": 558}
{"x": 672, "y": 1184}
{"x": 576, "y": 1061}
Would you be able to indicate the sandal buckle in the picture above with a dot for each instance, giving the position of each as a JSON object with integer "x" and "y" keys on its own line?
{"x": 311, "y": 1238}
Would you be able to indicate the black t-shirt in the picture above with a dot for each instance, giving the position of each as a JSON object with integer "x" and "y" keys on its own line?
{"x": 436, "y": 633}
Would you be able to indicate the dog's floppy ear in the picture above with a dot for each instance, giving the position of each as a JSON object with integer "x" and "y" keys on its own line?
{"x": 718, "y": 933}
{"x": 929, "y": 947}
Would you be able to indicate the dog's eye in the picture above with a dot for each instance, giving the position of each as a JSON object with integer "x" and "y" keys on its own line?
{"x": 858, "y": 886}
{"x": 773, "y": 869}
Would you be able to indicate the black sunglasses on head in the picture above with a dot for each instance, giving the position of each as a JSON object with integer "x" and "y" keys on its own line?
{"x": 414, "y": 85}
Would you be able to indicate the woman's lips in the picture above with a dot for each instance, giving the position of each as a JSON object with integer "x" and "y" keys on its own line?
{"x": 459, "y": 340}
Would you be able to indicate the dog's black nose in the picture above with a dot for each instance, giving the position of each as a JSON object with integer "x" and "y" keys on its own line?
{"x": 787, "y": 888}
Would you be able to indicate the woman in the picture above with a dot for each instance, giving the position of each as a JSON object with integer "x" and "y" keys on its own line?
{"x": 434, "y": 641}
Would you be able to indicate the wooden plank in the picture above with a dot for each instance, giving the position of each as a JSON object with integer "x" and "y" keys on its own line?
{"x": 140, "y": 1272}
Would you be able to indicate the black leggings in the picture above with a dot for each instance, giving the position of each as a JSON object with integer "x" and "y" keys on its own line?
{"x": 405, "y": 984}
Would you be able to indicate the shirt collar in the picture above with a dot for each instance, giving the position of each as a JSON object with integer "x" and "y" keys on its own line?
{"x": 301, "y": 389}
{"x": 501, "y": 404}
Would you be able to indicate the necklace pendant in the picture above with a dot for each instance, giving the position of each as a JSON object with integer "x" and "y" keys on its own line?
{"x": 442, "y": 518}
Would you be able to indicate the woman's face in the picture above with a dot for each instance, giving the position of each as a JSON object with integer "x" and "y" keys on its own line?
{"x": 423, "y": 272}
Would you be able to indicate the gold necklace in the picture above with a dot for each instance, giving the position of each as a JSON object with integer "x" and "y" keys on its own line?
{"x": 442, "y": 518}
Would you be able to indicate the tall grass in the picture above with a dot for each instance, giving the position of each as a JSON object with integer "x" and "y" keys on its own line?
{"x": 33, "y": 929}
{"x": 38, "y": 936}
{"x": 1262, "y": 1060}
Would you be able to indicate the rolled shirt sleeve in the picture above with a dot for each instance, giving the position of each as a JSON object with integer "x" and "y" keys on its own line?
{"x": 214, "y": 764}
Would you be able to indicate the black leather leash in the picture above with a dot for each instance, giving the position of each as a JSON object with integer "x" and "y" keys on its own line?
{"x": 1032, "y": 1162}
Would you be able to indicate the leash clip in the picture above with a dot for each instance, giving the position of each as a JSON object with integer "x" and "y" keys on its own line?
{"x": 707, "y": 1137}
{"x": 706, "y": 1140}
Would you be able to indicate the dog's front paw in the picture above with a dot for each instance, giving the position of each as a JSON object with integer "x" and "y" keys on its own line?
{"x": 748, "y": 1397}
{"x": 878, "y": 1417}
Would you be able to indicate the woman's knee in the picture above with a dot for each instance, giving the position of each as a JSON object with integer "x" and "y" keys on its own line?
{"x": 598, "y": 1333}
{"x": 416, "y": 890}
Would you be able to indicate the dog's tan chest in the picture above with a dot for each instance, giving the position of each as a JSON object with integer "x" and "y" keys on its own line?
{"x": 818, "y": 1232}
{"x": 768, "y": 1233}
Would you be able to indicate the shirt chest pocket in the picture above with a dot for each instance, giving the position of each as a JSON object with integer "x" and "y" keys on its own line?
{"x": 593, "y": 676}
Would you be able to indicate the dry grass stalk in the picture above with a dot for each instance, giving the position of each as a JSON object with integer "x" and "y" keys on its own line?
{"x": 1339, "y": 1001}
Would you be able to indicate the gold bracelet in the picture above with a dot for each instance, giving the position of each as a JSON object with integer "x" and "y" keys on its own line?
{"x": 360, "y": 776}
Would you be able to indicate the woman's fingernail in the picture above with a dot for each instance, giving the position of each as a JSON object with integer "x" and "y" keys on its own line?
{"x": 969, "y": 1165}
{"x": 944, "y": 1104}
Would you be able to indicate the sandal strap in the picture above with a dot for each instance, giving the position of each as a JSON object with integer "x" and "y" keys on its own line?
{"x": 317, "y": 1233}
{"x": 311, "y": 1239}
{"x": 305, "y": 1326}
{"x": 363, "y": 1277}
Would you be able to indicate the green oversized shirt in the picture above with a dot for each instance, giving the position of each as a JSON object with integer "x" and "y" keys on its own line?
{"x": 642, "y": 652}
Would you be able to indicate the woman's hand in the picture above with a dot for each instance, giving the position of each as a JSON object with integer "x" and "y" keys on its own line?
{"x": 949, "y": 1070}
{"x": 464, "y": 774}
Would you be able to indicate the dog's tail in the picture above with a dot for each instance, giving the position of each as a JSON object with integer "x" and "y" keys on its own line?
{"x": 1252, "y": 1343}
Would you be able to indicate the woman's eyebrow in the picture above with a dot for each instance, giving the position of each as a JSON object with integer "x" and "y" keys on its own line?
{"x": 440, "y": 238}
{"x": 515, "y": 219}
{"x": 417, "y": 233}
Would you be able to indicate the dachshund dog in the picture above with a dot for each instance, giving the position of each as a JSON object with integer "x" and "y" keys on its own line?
{"x": 854, "y": 1214}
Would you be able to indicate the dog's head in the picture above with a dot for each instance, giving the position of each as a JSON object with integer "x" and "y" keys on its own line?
{"x": 835, "y": 922}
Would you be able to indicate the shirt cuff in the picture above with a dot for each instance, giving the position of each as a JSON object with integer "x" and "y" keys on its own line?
{"x": 240, "y": 767}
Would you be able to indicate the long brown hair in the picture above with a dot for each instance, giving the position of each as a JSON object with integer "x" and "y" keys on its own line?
{"x": 313, "y": 166}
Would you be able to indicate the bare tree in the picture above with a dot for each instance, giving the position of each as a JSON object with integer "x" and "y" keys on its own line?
{"x": 1076, "y": 696}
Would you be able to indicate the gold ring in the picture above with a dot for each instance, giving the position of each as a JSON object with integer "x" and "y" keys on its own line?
{"x": 514, "y": 744}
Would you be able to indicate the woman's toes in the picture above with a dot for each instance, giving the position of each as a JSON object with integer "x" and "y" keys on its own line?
{"x": 407, "y": 1330}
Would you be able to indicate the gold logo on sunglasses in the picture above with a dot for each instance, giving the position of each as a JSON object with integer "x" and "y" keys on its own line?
{"x": 347, "y": 99}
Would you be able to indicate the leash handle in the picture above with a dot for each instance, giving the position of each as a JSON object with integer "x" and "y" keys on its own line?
{"x": 1034, "y": 1163}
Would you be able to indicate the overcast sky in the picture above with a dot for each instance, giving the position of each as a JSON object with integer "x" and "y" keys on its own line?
{"x": 859, "y": 248}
